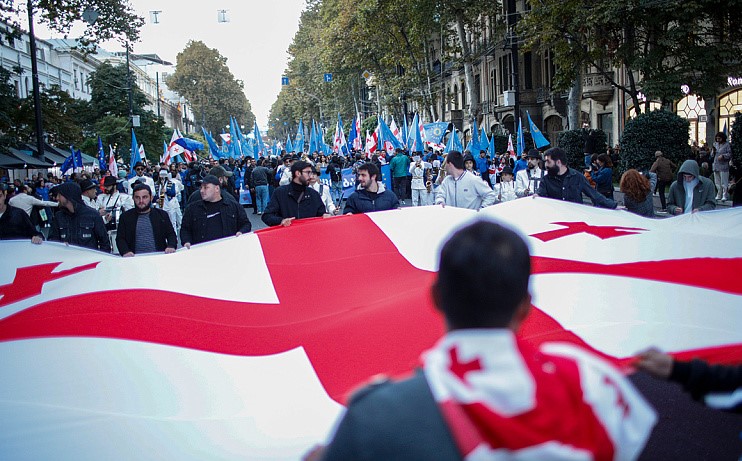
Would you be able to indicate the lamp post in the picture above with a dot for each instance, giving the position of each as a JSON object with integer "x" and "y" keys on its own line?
{"x": 35, "y": 79}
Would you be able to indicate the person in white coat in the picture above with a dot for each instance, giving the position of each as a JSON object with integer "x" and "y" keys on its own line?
{"x": 462, "y": 189}
{"x": 324, "y": 192}
{"x": 505, "y": 189}
{"x": 419, "y": 171}
{"x": 527, "y": 180}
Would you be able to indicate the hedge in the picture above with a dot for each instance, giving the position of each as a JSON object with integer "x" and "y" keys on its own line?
{"x": 649, "y": 132}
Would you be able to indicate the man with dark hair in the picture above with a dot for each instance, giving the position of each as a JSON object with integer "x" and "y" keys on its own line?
{"x": 76, "y": 223}
{"x": 294, "y": 200}
{"x": 371, "y": 195}
{"x": 400, "y": 168}
{"x": 484, "y": 393}
{"x": 225, "y": 185}
{"x": 14, "y": 222}
{"x": 212, "y": 217}
{"x": 139, "y": 176}
{"x": 564, "y": 183}
{"x": 145, "y": 229}
{"x": 461, "y": 188}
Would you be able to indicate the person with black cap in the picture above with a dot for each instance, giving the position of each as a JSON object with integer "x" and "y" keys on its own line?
{"x": 89, "y": 193}
{"x": 505, "y": 189}
{"x": 14, "y": 222}
{"x": 295, "y": 200}
{"x": 213, "y": 217}
{"x": 527, "y": 180}
{"x": 224, "y": 177}
{"x": 76, "y": 223}
{"x": 145, "y": 229}
{"x": 111, "y": 203}
{"x": 140, "y": 177}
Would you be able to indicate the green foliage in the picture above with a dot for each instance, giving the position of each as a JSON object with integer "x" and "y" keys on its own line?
{"x": 116, "y": 18}
{"x": 650, "y": 132}
{"x": 573, "y": 143}
{"x": 204, "y": 79}
{"x": 501, "y": 143}
{"x": 736, "y": 133}
{"x": 369, "y": 124}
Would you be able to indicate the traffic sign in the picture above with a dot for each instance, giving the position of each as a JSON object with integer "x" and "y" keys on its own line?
{"x": 284, "y": 81}
{"x": 366, "y": 74}
{"x": 328, "y": 77}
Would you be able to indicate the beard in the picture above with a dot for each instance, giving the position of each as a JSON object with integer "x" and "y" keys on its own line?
{"x": 553, "y": 170}
{"x": 531, "y": 166}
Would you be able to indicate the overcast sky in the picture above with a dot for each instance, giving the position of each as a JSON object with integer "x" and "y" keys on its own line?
{"x": 254, "y": 41}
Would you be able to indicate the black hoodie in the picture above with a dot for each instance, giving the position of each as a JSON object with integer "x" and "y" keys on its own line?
{"x": 84, "y": 227}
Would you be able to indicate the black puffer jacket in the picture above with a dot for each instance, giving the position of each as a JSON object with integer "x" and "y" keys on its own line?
{"x": 84, "y": 227}
{"x": 285, "y": 204}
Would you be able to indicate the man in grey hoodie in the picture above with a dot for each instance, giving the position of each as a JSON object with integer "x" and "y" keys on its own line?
{"x": 691, "y": 192}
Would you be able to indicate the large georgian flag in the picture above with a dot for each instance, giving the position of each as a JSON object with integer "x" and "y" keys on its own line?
{"x": 246, "y": 348}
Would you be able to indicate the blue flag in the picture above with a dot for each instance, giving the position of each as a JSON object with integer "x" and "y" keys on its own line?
{"x": 102, "y": 160}
{"x": 484, "y": 142}
{"x": 538, "y": 138}
{"x": 135, "y": 157}
{"x": 72, "y": 162}
{"x": 387, "y": 138}
{"x": 405, "y": 131}
{"x": 435, "y": 131}
{"x": 415, "y": 141}
{"x": 258, "y": 139}
{"x": 473, "y": 145}
{"x": 213, "y": 148}
{"x": 299, "y": 139}
{"x": 353, "y": 134}
{"x": 454, "y": 142}
{"x": 491, "y": 148}
{"x": 521, "y": 144}
{"x": 289, "y": 146}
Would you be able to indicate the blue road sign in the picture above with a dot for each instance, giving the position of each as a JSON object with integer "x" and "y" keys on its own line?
{"x": 328, "y": 77}
{"x": 284, "y": 81}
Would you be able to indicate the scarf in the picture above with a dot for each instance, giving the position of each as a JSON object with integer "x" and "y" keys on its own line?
{"x": 502, "y": 399}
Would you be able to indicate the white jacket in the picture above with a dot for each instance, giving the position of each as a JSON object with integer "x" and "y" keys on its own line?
{"x": 114, "y": 201}
{"x": 326, "y": 197}
{"x": 505, "y": 191}
{"x": 522, "y": 181}
{"x": 466, "y": 191}
{"x": 418, "y": 174}
{"x": 26, "y": 202}
{"x": 147, "y": 180}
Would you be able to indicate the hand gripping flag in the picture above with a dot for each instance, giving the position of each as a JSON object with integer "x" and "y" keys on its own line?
{"x": 98, "y": 353}
{"x": 538, "y": 138}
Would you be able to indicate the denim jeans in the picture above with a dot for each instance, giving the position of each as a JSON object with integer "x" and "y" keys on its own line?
{"x": 336, "y": 191}
{"x": 261, "y": 193}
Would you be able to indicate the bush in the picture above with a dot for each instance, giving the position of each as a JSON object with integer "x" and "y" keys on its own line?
{"x": 737, "y": 140}
{"x": 573, "y": 143}
{"x": 657, "y": 130}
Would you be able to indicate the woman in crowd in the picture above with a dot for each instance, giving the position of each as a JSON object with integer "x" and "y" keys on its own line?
{"x": 603, "y": 176}
{"x": 638, "y": 192}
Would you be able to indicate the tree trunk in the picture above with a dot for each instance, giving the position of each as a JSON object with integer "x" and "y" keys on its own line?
{"x": 574, "y": 103}
{"x": 432, "y": 109}
{"x": 711, "y": 113}
{"x": 471, "y": 87}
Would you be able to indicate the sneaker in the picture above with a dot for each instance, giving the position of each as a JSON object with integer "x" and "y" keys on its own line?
{"x": 725, "y": 199}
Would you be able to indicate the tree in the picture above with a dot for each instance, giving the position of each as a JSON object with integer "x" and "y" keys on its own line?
{"x": 108, "y": 115}
{"x": 652, "y": 131}
{"x": 115, "y": 18}
{"x": 659, "y": 44}
{"x": 59, "y": 111}
{"x": 204, "y": 79}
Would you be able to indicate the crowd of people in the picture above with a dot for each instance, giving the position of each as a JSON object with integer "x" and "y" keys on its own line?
{"x": 207, "y": 200}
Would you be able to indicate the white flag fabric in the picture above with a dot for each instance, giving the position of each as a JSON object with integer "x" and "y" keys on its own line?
{"x": 125, "y": 358}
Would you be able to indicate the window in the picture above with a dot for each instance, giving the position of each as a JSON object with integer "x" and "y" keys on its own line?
{"x": 455, "y": 97}
{"x": 77, "y": 81}
{"x": 463, "y": 95}
{"x": 605, "y": 123}
{"x": 527, "y": 73}
{"x": 505, "y": 77}
{"x": 693, "y": 109}
{"x": 27, "y": 88}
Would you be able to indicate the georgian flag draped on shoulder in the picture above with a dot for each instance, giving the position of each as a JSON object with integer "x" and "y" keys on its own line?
{"x": 101, "y": 352}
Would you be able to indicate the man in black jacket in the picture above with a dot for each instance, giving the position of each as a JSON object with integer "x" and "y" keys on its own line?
{"x": 14, "y": 222}
{"x": 213, "y": 217}
{"x": 371, "y": 194}
{"x": 294, "y": 200}
{"x": 144, "y": 229}
{"x": 564, "y": 183}
{"x": 76, "y": 223}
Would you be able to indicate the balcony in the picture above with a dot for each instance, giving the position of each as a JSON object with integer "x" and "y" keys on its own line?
{"x": 597, "y": 87}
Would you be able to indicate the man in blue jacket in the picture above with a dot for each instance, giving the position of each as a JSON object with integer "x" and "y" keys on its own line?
{"x": 371, "y": 194}
{"x": 564, "y": 183}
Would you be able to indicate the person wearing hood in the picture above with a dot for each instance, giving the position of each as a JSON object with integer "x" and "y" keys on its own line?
{"x": 371, "y": 194}
{"x": 295, "y": 200}
{"x": 691, "y": 192}
{"x": 76, "y": 223}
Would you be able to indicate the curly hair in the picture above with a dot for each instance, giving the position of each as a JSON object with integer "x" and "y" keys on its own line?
{"x": 635, "y": 186}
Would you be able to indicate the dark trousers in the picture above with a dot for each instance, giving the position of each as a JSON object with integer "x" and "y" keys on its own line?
{"x": 661, "y": 190}
{"x": 400, "y": 186}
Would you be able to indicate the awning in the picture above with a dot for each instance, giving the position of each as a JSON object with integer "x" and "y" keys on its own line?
{"x": 29, "y": 161}
{"x": 10, "y": 163}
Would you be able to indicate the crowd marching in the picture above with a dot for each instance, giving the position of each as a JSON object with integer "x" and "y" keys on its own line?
{"x": 156, "y": 208}
{"x": 159, "y": 208}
